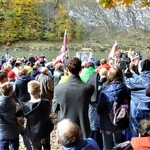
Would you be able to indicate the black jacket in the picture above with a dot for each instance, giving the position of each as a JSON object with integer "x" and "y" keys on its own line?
{"x": 38, "y": 124}
{"x": 20, "y": 88}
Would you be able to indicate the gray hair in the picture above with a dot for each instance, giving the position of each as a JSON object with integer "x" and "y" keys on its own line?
{"x": 68, "y": 133}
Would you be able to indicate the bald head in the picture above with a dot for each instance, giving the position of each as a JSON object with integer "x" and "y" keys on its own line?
{"x": 68, "y": 133}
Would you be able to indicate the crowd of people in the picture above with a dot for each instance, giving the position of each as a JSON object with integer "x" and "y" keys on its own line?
{"x": 83, "y": 96}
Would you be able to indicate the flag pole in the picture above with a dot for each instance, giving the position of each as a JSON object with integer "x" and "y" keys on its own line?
{"x": 62, "y": 50}
{"x": 112, "y": 53}
{"x": 67, "y": 49}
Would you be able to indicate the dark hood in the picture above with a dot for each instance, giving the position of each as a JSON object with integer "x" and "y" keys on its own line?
{"x": 32, "y": 109}
{"x": 24, "y": 78}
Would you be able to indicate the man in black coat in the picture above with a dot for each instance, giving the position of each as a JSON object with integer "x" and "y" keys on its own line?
{"x": 71, "y": 99}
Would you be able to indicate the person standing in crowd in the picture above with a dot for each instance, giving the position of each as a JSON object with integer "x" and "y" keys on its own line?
{"x": 133, "y": 68}
{"x": 58, "y": 72}
{"x": 47, "y": 85}
{"x": 103, "y": 64}
{"x": 7, "y": 67}
{"x": 20, "y": 86}
{"x": 11, "y": 76}
{"x": 140, "y": 103}
{"x": 3, "y": 77}
{"x": 16, "y": 67}
{"x": 35, "y": 72}
{"x": 22, "y": 95}
{"x": 70, "y": 137}
{"x": 51, "y": 68}
{"x": 71, "y": 99}
{"x": 42, "y": 60}
{"x": 97, "y": 64}
{"x": 124, "y": 61}
{"x": 65, "y": 77}
{"x": 136, "y": 61}
{"x": 65, "y": 58}
{"x": 9, "y": 128}
{"x": 28, "y": 66}
{"x": 31, "y": 59}
{"x": 114, "y": 91}
{"x": 87, "y": 71}
{"x": 39, "y": 125}
{"x": 143, "y": 141}
{"x": 97, "y": 79}
{"x": 48, "y": 66}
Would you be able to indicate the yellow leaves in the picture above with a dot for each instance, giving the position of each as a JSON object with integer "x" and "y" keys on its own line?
{"x": 145, "y": 3}
{"x": 128, "y": 2}
{"x": 107, "y": 3}
{"x": 122, "y": 3}
{"x": 20, "y": 20}
{"x": 24, "y": 1}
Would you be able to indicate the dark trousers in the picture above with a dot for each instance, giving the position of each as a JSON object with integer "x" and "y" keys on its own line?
{"x": 26, "y": 140}
{"x": 38, "y": 143}
{"x": 97, "y": 136}
{"x": 9, "y": 144}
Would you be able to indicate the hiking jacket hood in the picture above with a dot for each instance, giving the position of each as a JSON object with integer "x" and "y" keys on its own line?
{"x": 39, "y": 124}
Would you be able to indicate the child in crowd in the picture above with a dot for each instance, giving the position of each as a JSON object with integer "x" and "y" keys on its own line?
{"x": 37, "y": 112}
{"x": 9, "y": 127}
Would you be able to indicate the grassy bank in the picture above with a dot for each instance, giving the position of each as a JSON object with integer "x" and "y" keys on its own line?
{"x": 48, "y": 53}
{"x": 51, "y": 52}
{"x": 100, "y": 41}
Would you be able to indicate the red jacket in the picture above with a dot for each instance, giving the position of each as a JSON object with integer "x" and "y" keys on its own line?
{"x": 106, "y": 66}
{"x": 140, "y": 143}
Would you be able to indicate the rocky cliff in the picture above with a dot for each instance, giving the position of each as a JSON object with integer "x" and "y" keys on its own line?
{"x": 88, "y": 11}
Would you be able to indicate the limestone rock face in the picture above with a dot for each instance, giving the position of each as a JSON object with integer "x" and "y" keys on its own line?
{"x": 92, "y": 16}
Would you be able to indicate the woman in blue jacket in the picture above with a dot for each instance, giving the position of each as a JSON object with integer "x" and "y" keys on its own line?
{"x": 115, "y": 90}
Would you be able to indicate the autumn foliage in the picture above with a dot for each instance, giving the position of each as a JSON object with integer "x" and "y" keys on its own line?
{"x": 122, "y": 3}
{"x": 25, "y": 20}
{"x": 30, "y": 20}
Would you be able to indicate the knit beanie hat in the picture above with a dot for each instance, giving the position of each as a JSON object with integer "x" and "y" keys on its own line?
{"x": 11, "y": 74}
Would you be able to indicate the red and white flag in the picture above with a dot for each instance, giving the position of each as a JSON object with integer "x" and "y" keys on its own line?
{"x": 114, "y": 49}
{"x": 62, "y": 51}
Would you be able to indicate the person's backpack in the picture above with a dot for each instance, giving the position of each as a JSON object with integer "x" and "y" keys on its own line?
{"x": 119, "y": 114}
